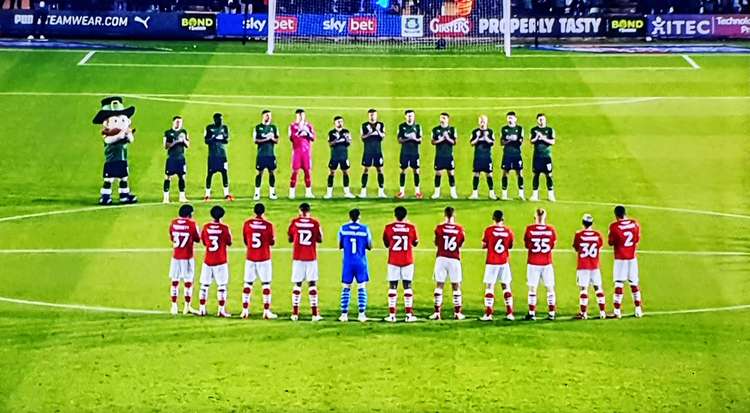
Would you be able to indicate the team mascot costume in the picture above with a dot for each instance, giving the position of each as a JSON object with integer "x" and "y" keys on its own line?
{"x": 117, "y": 133}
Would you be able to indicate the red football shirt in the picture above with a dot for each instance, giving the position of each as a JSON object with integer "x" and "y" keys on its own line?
{"x": 259, "y": 237}
{"x": 304, "y": 234}
{"x": 184, "y": 233}
{"x": 497, "y": 240}
{"x": 449, "y": 238}
{"x": 588, "y": 245}
{"x": 624, "y": 236}
{"x": 216, "y": 237}
{"x": 400, "y": 238}
{"x": 540, "y": 240}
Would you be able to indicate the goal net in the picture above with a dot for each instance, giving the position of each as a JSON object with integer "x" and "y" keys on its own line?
{"x": 387, "y": 26}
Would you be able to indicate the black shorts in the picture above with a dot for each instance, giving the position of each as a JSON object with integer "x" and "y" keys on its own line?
{"x": 115, "y": 169}
{"x": 409, "y": 161}
{"x": 542, "y": 165}
{"x": 512, "y": 163}
{"x": 217, "y": 165}
{"x": 342, "y": 164}
{"x": 483, "y": 165}
{"x": 175, "y": 167}
{"x": 265, "y": 162}
{"x": 443, "y": 163}
{"x": 372, "y": 159}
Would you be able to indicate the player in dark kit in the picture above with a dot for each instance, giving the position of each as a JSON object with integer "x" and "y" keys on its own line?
{"x": 482, "y": 138}
{"x": 176, "y": 140}
{"x": 444, "y": 138}
{"x": 542, "y": 137}
{"x": 511, "y": 137}
{"x": 373, "y": 133}
{"x": 410, "y": 137}
{"x": 339, "y": 140}
{"x": 217, "y": 138}
{"x": 266, "y": 136}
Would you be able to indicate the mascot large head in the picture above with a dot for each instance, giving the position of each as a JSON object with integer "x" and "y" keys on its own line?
{"x": 114, "y": 117}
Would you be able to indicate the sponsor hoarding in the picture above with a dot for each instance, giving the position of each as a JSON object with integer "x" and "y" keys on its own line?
{"x": 104, "y": 24}
{"x": 542, "y": 26}
{"x": 626, "y": 26}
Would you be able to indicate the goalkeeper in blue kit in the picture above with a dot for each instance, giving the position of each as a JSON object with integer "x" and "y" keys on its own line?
{"x": 354, "y": 239}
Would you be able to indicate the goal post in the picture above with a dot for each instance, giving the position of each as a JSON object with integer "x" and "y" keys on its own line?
{"x": 389, "y": 26}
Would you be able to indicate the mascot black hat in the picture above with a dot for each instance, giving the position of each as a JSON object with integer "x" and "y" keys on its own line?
{"x": 112, "y": 106}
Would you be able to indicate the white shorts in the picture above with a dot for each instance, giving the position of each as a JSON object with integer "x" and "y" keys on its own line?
{"x": 396, "y": 273}
{"x": 448, "y": 268}
{"x": 258, "y": 269}
{"x": 497, "y": 273}
{"x": 304, "y": 271}
{"x": 584, "y": 278}
{"x": 218, "y": 273}
{"x": 626, "y": 270}
{"x": 182, "y": 269}
{"x": 535, "y": 272}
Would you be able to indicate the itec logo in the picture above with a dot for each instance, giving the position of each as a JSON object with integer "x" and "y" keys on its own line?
{"x": 285, "y": 24}
{"x": 450, "y": 26}
{"x": 674, "y": 26}
{"x": 363, "y": 25}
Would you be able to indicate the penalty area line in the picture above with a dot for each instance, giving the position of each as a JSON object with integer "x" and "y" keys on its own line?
{"x": 137, "y": 311}
{"x": 86, "y": 58}
{"x": 690, "y": 61}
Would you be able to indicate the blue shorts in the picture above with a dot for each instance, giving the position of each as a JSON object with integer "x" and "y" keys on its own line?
{"x": 265, "y": 162}
{"x": 351, "y": 272}
{"x": 372, "y": 159}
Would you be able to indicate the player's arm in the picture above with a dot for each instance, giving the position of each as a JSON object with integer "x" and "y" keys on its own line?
{"x": 228, "y": 237}
{"x": 554, "y": 238}
{"x": 461, "y": 238}
{"x": 245, "y": 234}
{"x": 386, "y": 239}
{"x": 401, "y": 136}
{"x": 196, "y": 233}
{"x": 290, "y": 233}
{"x": 474, "y": 140}
{"x": 226, "y": 134}
{"x": 453, "y": 137}
{"x": 520, "y": 135}
{"x": 436, "y": 138}
{"x": 204, "y": 237}
{"x": 331, "y": 138}
{"x": 318, "y": 234}
{"x": 369, "y": 239}
{"x": 485, "y": 243}
{"x": 416, "y": 237}
{"x": 611, "y": 237}
{"x": 167, "y": 145}
{"x": 365, "y": 133}
{"x": 511, "y": 239}
{"x": 348, "y": 138}
{"x": 552, "y": 139}
{"x": 341, "y": 240}
{"x": 208, "y": 136}
{"x": 527, "y": 240}
{"x": 276, "y": 136}
{"x": 576, "y": 245}
{"x": 186, "y": 141}
{"x": 311, "y": 132}
{"x": 437, "y": 238}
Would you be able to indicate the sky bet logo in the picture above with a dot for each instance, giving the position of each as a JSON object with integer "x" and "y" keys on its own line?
{"x": 363, "y": 25}
{"x": 334, "y": 25}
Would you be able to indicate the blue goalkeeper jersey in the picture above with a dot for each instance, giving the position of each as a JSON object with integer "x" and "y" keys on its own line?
{"x": 354, "y": 239}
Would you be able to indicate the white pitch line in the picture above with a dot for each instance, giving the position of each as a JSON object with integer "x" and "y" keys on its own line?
{"x": 571, "y": 202}
{"x": 138, "y": 311}
{"x": 55, "y": 251}
{"x": 86, "y": 58}
{"x": 386, "y": 69}
{"x": 381, "y": 108}
{"x": 80, "y": 307}
{"x": 360, "y": 97}
{"x": 544, "y": 55}
{"x": 690, "y": 61}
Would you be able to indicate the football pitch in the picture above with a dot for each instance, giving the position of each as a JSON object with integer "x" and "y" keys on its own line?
{"x": 84, "y": 291}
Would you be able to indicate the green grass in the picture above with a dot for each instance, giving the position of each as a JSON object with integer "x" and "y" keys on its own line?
{"x": 661, "y": 141}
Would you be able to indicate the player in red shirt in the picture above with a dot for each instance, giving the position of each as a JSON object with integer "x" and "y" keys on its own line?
{"x": 216, "y": 237}
{"x": 588, "y": 244}
{"x": 497, "y": 240}
{"x": 304, "y": 233}
{"x": 540, "y": 240}
{"x": 400, "y": 237}
{"x": 259, "y": 236}
{"x": 183, "y": 232}
{"x": 449, "y": 237}
{"x": 624, "y": 236}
